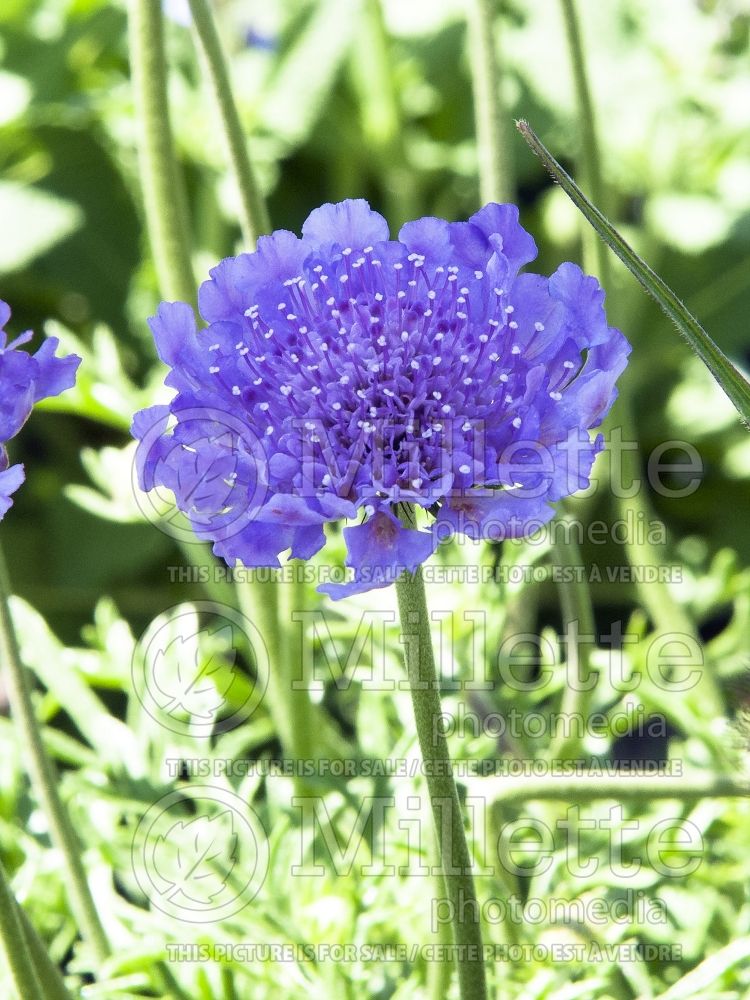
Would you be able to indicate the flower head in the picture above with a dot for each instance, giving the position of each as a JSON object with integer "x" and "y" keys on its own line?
{"x": 347, "y": 375}
{"x": 24, "y": 380}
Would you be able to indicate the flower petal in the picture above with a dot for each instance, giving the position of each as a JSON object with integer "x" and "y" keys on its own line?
{"x": 429, "y": 236}
{"x": 55, "y": 374}
{"x": 379, "y": 551}
{"x": 349, "y": 223}
{"x": 10, "y": 480}
{"x": 492, "y": 518}
{"x": 235, "y": 283}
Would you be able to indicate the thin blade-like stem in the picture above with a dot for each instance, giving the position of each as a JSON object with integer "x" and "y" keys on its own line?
{"x": 667, "y": 614}
{"x": 49, "y": 976}
{"x": 45, "y": 781}
{"x": 454, "y": 849}
{"x": 14, "y": 945}
{"x": 732, "y": 381}
{"x": 254, "y": 217}
{"x": 161, "y": 180}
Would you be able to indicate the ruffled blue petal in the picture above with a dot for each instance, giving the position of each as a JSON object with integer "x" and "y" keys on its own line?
{"x": 492, "y": 518}
{"x": 4, "y": 317}
{"x": 495, "y": 229}
{"x": 55, "y": 375}
{"x": 236, "y": 282}
{"x": 175, "y": 335}
{"x": 17, "y": 371}
{"x": 348, "y": 224}
{"x": 10, "y": 480}
{"x": 379, "y": 551}
{"x": 583, "y": 298}
{"x": 256, "y": 545}
{"x": 307, "y": 541}
{"x": 430, "y": 237}
{"x": 148, "y": 428}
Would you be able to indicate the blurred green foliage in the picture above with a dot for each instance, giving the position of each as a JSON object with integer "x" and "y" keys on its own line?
{"x": 342, "y": 100}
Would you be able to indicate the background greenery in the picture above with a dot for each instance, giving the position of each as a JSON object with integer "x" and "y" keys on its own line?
{"x": 346, "y": 98}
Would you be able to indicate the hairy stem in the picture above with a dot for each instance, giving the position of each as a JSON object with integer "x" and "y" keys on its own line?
{"x": 446, "y": 809}
{"x": 270, "y": 606}
{"x": 254, "y": 216}
{"x": 495, "y": 170}
{"x": 14, "y": 945}
{"x": 49, "y": 976}
{"x": 595, "y": 253}
{"x": 45, "y": 781}
{"x": 579, "y": 629}
{"x": 161, "y": 180}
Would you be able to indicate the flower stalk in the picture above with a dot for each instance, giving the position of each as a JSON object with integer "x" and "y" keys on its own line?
{"x": 579, "y": 628}
{"x": 495, "y": 169}
{"x": 14, "y": 945}
{"x": 595, "y": 254}
{"x": 270, "y": 606}
{"x": 163, "y": 191}
{"x": 45, "y": 781}
{"x": 254, "y": 213}
{"x": 454, "y": 849}
{"x": 49, "y": 976}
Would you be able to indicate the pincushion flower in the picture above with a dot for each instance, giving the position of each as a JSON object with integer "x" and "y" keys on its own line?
{"x": 344, "y": 375}
{"x": 24, "y": 380}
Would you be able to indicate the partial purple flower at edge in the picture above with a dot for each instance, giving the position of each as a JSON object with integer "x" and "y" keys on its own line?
{"x": 343, "y": 375}
{"x": 24, "y": 380}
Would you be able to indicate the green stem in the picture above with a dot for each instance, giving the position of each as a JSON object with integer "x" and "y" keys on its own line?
{"x": 302, "y": 713}
{"x": 579, "y": 628}
{"x": 589, "y": 787}
{"x": 259, "y": 603}
{"x": 269, "y": 605}
{"x": 45, "y": 781}
{"x": 50, "y": 979}
{"x": 730, "y": 378}
{"x": 454, "y": 850}
{"x": 440, "y": 972}
{"x": 595, "y": 253}
{"x": 382, "y": 117}
{"x": 163, "y": 191}
{"x": 254, "y": 217}
{"x": 666, "y": 613}
{"x": 493, "y": 148}
{"x": 14, "y": 945}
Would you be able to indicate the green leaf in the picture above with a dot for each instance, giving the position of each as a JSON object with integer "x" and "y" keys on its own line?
{"x": 732, "y": 381}
{"x": 307, "y": 72}
{"x": 37, "y": 221}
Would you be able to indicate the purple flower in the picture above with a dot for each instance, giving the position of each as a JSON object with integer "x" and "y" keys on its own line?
{"x": 346, "y": 375}
{"x": 24, "y": 380}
